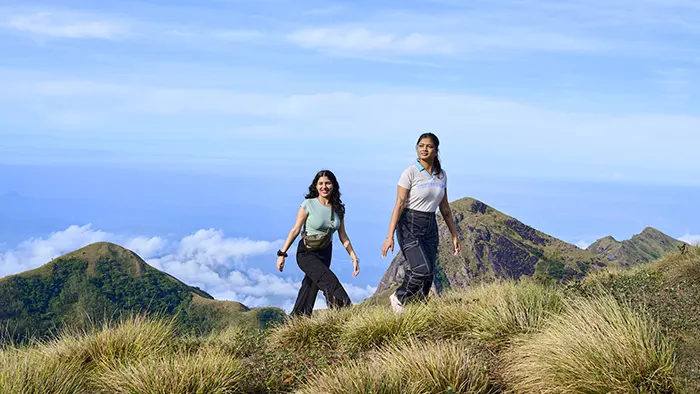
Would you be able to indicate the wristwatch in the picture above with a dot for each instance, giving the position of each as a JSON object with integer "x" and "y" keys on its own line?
{"x": 281, "y": 253}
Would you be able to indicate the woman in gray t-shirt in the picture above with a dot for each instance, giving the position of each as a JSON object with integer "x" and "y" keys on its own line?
{"x": 321, "y": 213}
{"x": 422, "y": 189}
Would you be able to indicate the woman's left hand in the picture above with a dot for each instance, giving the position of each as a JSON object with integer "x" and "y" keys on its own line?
{"x": 457, "y": 246}
{"x": 356, "y": 265}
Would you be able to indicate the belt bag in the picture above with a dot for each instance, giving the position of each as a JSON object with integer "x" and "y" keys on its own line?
{"x": 318, "y": 241}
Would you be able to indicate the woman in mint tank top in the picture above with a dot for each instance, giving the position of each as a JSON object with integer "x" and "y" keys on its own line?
{"x": 422, "y": 189}
{"x": 314, "y": 216}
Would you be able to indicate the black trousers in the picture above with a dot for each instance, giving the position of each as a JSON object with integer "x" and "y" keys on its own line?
{"x": 318, "y": 276}
{"x": 418, "y": 239}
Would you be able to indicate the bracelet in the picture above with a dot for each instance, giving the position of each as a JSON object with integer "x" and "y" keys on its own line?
{"x": 281, "y": 253}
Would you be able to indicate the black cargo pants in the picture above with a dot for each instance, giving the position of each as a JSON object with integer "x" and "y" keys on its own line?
{"x": 418, "y": 239}
{"x": 318, "y": 276}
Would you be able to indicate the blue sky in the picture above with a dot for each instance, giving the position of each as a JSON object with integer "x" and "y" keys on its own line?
{"x": 153, "y": 120}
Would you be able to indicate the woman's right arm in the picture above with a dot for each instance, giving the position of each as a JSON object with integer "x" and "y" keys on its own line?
{"x": 293, "y": 234}
{"x": 401, "y": 195}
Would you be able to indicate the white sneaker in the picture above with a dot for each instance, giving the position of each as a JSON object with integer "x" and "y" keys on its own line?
{"x": 395, "y": 303}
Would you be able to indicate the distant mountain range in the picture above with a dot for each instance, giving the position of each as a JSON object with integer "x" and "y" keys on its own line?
{"x": 104, "y": 281}
{"x": 495, "y": 245}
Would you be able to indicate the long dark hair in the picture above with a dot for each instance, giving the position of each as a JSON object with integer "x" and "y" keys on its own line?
{"x": 437, "y": 166}
{"x": 336, "y": 202}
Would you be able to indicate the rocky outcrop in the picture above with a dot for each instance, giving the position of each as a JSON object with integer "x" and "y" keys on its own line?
{"x": 495, "y": 245}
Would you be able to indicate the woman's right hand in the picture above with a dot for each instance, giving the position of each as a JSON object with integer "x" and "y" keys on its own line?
{"x": 388, "y": 244}
{"x": 280, "y": 263}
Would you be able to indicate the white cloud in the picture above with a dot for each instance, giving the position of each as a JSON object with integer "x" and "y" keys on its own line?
{"x": 363, "y": 40}
{"x": 212, "y": 248}
{"x": 66, "y": 25}
{"x": 145, "y": 247}
{"x": 532, "y": 139}
{"x": 692, "y": 239}
{"x": 583, "y": 244}
{"x": 357, "y": 293}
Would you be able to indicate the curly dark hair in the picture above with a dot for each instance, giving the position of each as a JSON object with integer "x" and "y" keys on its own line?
{"x": 336, "y": 202}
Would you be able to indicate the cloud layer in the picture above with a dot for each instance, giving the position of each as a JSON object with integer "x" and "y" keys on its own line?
{"x": 206, "y": 259}
{"x": 65, "y": 25}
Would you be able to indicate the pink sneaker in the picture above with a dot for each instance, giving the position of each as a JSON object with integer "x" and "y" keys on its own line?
{"x": 395, "y": 303}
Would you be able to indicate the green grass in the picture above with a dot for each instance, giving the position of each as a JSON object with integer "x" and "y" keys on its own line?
{"x": 323, "y": 329}
{"x": 596, "y": 346}
{"x": 29, "y": 371}
{"x": 379, "y": 326}
{"x": 668, "y": 290}
{"x": 628, "y": 331}
{"x": 443, "y": 367}
{"x": 496, "y": 312}
{"x": 115, "y": 343}
{"x": 205, "y": 372}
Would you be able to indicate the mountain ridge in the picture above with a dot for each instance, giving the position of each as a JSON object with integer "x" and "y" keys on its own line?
{"x": 496, "y": 245}
{"x": 645, "y": 247}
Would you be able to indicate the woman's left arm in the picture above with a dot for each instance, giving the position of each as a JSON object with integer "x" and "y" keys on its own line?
{"x": 446, "y": 212}
{"x": 343, "y": 235}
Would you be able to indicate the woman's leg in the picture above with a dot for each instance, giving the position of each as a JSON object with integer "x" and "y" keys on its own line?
{"x": 306, "y": 298}
{"x": 420, "y": 256}
{"x": 316, "y": 266}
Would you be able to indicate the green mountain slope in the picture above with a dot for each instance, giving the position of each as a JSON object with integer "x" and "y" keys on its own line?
{"x": 495, "y": 245}
{"x": 105, "y": 281}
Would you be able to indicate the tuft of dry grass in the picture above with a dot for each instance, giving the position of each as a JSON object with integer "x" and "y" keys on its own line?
{"x": 379, "y": 326}
{"x": 29, "y": 371}
{"x": 117, "y": 342}
{"x": 680, "y": 268}
{"x": 322, "y": 329}
{"x": 205, "y": 372}
{"x": 409, "y": 368}
{"x": 496, "y": 312}
{"x": 596, "y": 346}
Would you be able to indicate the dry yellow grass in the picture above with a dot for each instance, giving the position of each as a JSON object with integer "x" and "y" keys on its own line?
{"x": 29, "y": 371}
{"x": 320, "y": 329}
{"x": 497, "y": 311}
{"x": 379, "y": 326}
{"x": 123, "y": 341}
{"x": 204, "y": 372}
{"x": 596, "y": 346}
{"x": 409, "y": 368}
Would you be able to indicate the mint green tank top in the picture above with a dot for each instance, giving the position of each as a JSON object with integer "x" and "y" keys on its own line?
{"x": 319, "y": 219}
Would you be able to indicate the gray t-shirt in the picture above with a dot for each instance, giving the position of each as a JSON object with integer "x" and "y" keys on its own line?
{"x": 319, "y": 219}
{"x": 425, "y": 191}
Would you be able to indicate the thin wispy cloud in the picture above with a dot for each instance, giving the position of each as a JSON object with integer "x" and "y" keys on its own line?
{"x": 535, "y": 138}
{"x": 334, "y": 9}
{"x": 237, "y": 35}
{"x": 66, "y": 25}
{"x": 363, "y": 40}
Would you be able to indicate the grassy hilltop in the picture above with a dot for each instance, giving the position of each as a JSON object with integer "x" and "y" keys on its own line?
{"x": 104, "y": 281}
{"x": 614, "y": 331}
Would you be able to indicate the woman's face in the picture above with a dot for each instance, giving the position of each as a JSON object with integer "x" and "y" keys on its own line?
{"x": 426, "y": 149}
{"x": 324, "y": 186}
